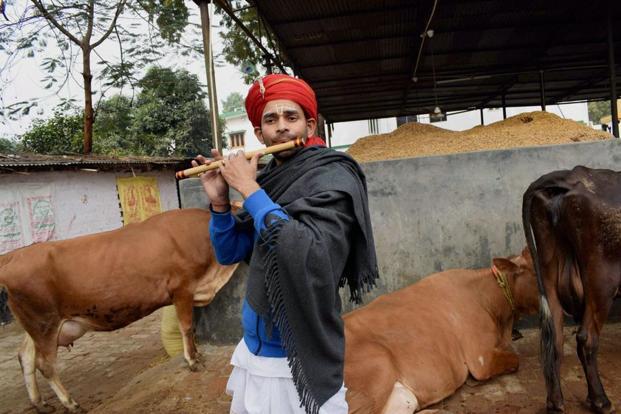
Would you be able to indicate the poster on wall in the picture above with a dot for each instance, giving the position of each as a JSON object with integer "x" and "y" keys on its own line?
{"x": 26, "y": 215}
{"x": 139, "y": 197}
{"x": 11, "y": 235}
{"x": 41, "y": 218}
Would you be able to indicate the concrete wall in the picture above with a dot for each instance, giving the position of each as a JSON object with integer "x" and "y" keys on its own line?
{"x": 435, "y": 213}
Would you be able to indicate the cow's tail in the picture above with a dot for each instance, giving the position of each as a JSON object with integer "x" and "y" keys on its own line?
{"x": 549, "y": 353}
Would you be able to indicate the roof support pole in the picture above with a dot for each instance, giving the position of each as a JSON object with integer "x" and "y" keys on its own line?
{"x": 329, "y": 125}
{"x": 203, "y": 5}
{"x": 482, "y": 118}
{"x": 542, "y": 90}
{"x": 504, "y": 106}
{"x": 613, "y": 76}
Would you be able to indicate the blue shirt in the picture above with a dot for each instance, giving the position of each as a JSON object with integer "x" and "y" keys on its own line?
{"x": 232, "y": 246}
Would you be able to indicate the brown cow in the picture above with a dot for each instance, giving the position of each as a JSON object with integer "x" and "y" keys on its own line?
{"x": 572, "y": 221}
{"x": 411, "y": 348}
{"x": 60, "y": 290}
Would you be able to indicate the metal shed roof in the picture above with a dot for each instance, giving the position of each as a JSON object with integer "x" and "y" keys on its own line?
{"x": 361, "y": 56}
{"x": 36, "y": 162}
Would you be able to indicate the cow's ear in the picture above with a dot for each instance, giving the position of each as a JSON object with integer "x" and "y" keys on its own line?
{"x": 526, "y": 253}
{"x": 505, "y": 265}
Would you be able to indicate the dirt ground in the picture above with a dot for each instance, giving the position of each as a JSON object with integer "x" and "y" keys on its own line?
{"x": 127, "y": 371}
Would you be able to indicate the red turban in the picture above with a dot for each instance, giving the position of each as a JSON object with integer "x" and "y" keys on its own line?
{"x": 278, "y": 86}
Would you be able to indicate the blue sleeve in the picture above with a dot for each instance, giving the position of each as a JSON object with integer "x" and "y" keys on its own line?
{"x": 260, "y": 206}
{"x": 230, "y": 245}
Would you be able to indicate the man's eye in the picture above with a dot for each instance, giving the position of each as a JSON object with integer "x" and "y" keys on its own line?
{"x": 293, "y": 118}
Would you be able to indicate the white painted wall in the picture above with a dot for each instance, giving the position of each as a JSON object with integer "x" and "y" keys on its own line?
{"x": 87, "y": 202}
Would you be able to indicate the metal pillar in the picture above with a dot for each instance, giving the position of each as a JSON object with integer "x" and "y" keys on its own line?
{"x": 482, "y": 119}
{"x": 504, "y": 106}
{"x": 329, "y": 125}
{"x": 542, "y": 90}
{"x": 613, "y": 76}
{"x": 204, "y": 5}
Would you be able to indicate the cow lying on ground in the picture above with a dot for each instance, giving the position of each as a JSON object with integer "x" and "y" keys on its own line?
{"x": 60, "y": 290}
{"x": 572, "y": 221}
{"x": 411, "y": 348}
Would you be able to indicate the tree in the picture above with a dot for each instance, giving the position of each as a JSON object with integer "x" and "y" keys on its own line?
{"x": 113, "y": 122}
{"x": 61, "y": 134}
{"x": 598, "y": 110}
{"x": 6, "y": 146}
{"x": 238, "y": 47}
{"x": 233, "y": 102}
{"x": 80, "y": 27}
{"x": 170, "y": 117}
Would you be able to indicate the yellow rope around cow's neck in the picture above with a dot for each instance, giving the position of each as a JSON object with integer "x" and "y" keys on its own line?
{"x": 504, "y": 285}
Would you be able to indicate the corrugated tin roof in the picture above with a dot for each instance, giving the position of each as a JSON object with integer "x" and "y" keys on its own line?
{"x": 20, "y": 162}
{"x": 360, "y": 56}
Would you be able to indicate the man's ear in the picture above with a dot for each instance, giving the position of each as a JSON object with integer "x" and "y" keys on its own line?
{"x": 311, "y": 127}
{"x": 259, "y": 134}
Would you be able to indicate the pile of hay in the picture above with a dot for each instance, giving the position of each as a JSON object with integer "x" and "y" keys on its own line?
{"x": 523, "y": 130}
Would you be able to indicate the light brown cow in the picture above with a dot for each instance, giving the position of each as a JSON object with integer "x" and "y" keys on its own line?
{"x": 60, "y": 290}
{"x": 411, "y": 348}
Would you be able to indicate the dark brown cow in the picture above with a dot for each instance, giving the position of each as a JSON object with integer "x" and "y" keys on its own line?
{"x": 416, "y": 346}
{"x": 572, "y": 221}
{"x": 60, "y": 290}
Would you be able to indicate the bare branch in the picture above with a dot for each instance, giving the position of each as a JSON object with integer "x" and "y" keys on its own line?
{"x": 86, "y": 40}
{"x": 119, "y": 9}
{"x": 55, "y": 22}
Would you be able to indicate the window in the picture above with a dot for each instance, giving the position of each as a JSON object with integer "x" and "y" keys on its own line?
{"x": 237, "y": 139}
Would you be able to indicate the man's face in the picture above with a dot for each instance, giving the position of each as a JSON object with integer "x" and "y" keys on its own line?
{"x": 282, "y": 121}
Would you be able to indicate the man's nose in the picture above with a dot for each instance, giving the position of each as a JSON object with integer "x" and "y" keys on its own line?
{"x": 281, "y": 125}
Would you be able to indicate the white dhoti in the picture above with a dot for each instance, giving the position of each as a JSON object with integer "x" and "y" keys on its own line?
{"x": 263, "y": 385}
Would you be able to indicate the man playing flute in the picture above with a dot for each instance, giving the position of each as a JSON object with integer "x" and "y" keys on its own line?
{"x": 305, "y": 230}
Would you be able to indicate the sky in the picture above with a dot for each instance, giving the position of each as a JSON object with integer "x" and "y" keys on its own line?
{"x": 24, "y": 80}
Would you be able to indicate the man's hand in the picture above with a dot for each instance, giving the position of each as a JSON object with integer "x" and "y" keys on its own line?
{"x": 214, "y": 184}
{"x": 240, "y": 173}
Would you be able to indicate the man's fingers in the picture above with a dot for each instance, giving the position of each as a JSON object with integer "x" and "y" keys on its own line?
{"x": 255, "y": 159}
{"x": 216, "y": 154}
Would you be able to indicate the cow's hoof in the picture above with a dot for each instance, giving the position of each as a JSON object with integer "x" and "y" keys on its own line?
{"x": 552, "y": 408}
{"x": 43, "y": 408}
{"x": 74, "y": 408}
{"x": 601, "y": 406}
{"x": 196, "y": 366}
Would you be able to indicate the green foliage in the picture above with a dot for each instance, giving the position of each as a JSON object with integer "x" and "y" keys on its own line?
{"x": 171, "y": 17}
{"x": 58, "y": 29}
{"x": 170, "y": 115}
{"x": 113, "y": 120}
{"x": 238, "y": 48}
{"x": 61, "y": 134}
{"x": 598, "y": 110}
{"x": 233, "y": 102}
{"x": 7, "y": 146}
{"x": 168, "y": 118}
